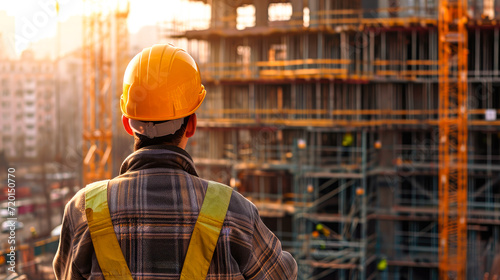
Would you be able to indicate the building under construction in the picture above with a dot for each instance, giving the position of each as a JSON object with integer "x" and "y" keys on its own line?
{"x": 326, "y": 114}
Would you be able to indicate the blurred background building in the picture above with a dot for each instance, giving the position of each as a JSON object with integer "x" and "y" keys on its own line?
{"x": 325, "y": 114}
{"x": 28, "y": 101}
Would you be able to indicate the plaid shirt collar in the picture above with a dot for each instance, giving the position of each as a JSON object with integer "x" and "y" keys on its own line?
{"x": 159, "y": 156}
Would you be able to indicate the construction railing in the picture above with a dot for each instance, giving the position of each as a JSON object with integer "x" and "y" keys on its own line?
{"x": 303, "y": 68}
{"x": 310, "y": 158}
{"x": 397, "y": 16}
{"x": 426, "y": 154}
{"x": 336, "y": 118}
{"x": 405, "y": 70}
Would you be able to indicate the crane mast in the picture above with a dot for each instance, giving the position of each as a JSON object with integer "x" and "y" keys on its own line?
{"x": 452, "y": 139}
{"x": 105, "y": 44}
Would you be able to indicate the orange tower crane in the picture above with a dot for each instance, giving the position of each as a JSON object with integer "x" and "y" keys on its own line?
{"x": 104, "y": 37}
{"x": 452, "y": 139}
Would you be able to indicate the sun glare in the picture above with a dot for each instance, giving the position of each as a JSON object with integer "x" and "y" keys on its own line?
{"x": 38, "y": 19}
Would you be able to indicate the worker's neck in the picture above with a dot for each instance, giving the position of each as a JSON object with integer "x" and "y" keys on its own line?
{"x": 183, "y": 143}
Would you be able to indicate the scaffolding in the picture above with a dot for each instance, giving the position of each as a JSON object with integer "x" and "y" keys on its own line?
{"x": 328, "y": 118}
{"x": 97, "y": 110}
{"x": 105, "y": 56}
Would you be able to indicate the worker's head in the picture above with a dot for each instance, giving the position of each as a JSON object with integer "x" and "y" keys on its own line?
{"x": 161, "y": 91}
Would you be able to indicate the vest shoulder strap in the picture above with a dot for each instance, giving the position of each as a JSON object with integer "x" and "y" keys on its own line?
{"x": 206, "y": 231}
{"x": 106, "y": 247}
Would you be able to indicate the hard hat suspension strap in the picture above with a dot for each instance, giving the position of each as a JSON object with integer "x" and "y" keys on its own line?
{"x": 152, "y": 130}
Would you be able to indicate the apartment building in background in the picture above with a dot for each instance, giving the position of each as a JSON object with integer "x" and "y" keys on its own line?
{"x": 27, "y": 101}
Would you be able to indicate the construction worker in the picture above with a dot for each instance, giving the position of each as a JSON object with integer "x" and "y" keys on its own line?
{"x": 158, "y": 219}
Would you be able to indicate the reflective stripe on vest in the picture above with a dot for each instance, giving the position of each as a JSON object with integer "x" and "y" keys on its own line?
{"x": 106, "y": 247}
{"x": 206, "y": 231}
{"x": 201, "y": 246}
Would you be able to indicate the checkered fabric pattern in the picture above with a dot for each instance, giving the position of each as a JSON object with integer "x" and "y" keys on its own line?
{"x": 154, "y": 204}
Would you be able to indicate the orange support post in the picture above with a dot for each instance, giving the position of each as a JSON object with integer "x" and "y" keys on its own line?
{"x": 453, "y": 139}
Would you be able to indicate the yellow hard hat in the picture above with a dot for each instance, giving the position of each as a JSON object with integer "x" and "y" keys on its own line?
{"x": 161, "y": 83}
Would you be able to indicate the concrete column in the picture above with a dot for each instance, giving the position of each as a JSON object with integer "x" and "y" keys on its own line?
{"x": 382, "y": 4}
{"x": 230, "y": 12}
{"x": 261, "y": 12}
{"x": 313, "y": 13}
{"x": 497, "y": 8}
{"x": 369, "y": 6}
{"x": 393, "y": 4}
{"x": 474, "y": 9}
{"x": 221, "y": 10}
{"x": 297, "y": 12}
{"x": 215, "y": 14}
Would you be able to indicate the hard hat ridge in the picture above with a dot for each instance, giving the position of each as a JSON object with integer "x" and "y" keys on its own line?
{"x": 161, "y": 83}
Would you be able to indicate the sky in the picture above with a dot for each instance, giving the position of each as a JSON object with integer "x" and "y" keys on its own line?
{"x": 38, "y": 19}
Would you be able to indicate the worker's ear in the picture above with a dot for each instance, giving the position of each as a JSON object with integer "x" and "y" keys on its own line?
{"x": 191, "y": 126}
{"x": 126, "y": 125}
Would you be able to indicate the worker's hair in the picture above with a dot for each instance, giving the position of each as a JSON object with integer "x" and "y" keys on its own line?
{"x": 141, "y": 141}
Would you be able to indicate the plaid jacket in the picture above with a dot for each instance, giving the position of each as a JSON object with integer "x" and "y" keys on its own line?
{"x": 154, "y": 205}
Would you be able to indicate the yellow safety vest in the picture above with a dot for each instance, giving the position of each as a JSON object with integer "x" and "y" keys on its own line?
{"x": 201, "y": 246}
